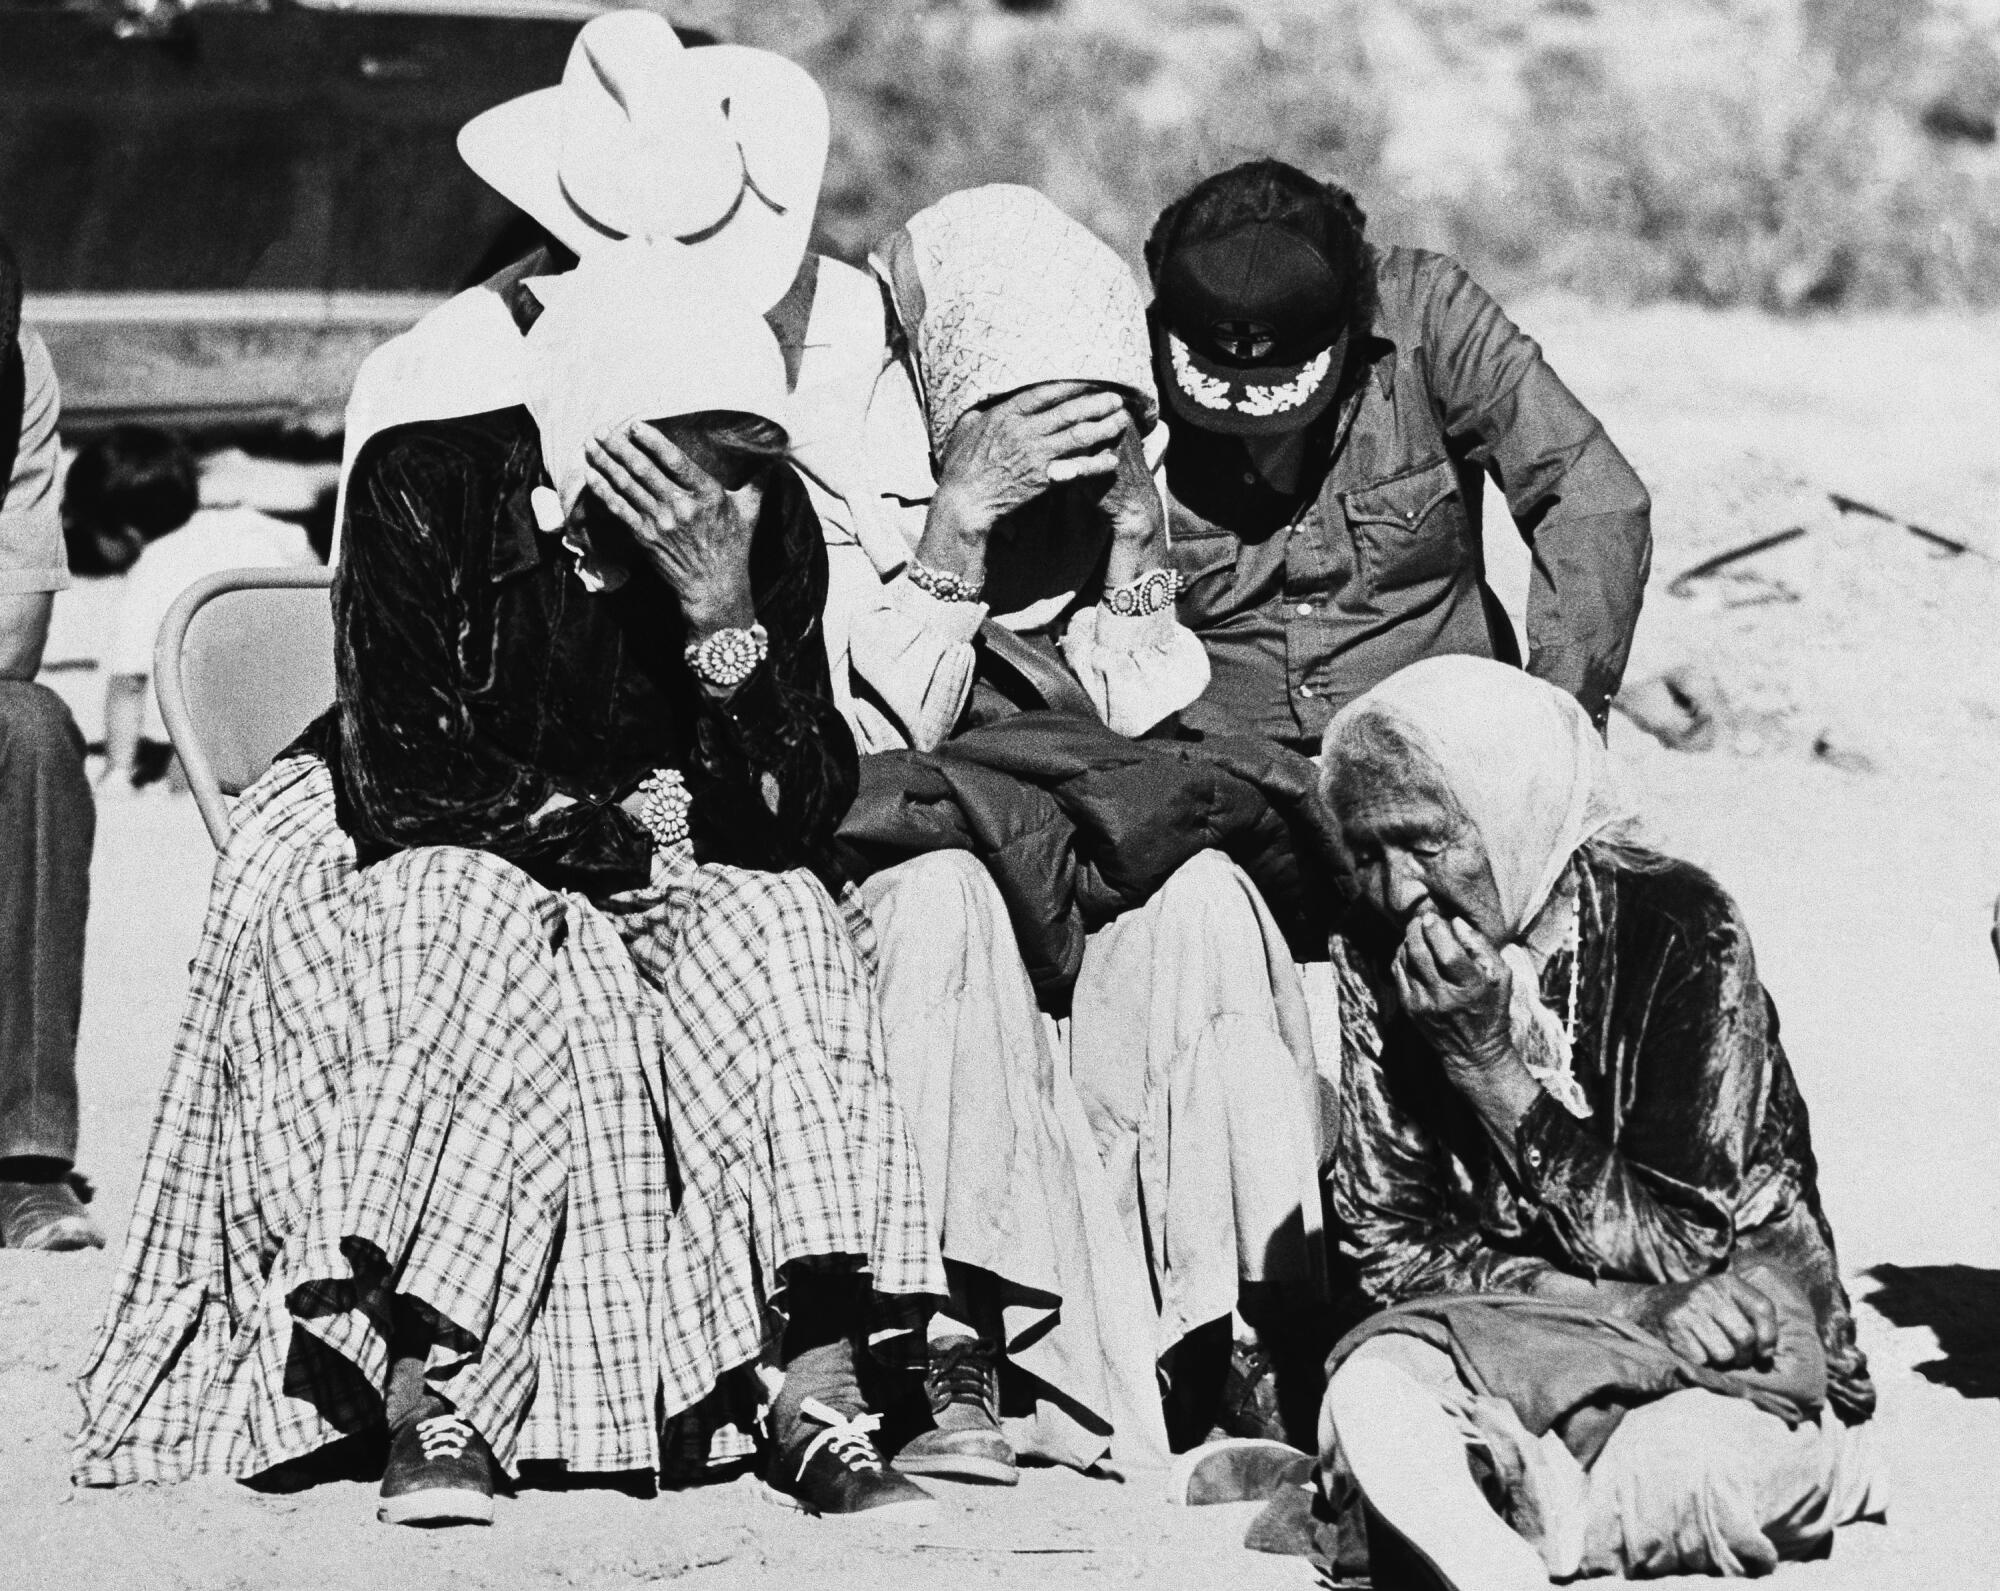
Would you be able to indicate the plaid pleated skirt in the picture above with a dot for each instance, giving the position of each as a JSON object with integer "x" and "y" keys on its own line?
{"x": 584, "y": 1139}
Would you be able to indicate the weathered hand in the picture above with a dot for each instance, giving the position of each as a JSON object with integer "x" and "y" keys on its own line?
{"x": 1131, "y": 501}
{"x": 1456, "y": 989}
{"x": 1008, "y": 453}
{"x": 695, "y": 535}
{"x": 1723, "y": 1321}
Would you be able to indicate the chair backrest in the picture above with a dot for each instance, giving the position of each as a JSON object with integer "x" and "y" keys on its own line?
{"x": 242, "y": 663}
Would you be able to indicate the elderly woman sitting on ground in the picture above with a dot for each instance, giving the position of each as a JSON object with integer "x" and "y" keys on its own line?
{"x": 526, "y": 1069}
{"x": 1093, "y": 1210}
{"x": 1574, "y": 1158}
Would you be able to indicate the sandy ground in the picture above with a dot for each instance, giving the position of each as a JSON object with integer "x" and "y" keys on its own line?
{"x": 1866, "y": 882}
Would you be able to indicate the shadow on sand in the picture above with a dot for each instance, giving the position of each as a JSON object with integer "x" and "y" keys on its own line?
{"x": 1961, "y": 1303}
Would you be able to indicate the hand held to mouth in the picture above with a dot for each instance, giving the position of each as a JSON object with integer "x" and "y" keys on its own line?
{"x": 1459, "y": 992}
{"x": 694, "y": 534}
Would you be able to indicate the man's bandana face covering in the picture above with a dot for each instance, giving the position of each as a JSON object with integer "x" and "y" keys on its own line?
{"x": 1249, "y": 331}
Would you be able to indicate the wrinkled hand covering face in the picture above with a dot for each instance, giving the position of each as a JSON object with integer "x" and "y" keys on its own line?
{"x": 998, "y": 290}
{"x": 636, "y": 332}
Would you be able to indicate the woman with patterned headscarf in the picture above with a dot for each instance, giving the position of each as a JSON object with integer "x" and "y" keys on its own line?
{"x": 1106, "y": 1187}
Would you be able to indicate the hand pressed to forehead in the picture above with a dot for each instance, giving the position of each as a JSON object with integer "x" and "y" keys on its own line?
{"x": 1005, "y": 454}
{"x": 693, "y": 533}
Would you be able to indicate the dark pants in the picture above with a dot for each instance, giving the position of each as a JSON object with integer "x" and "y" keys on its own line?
{"x": 47, "y": 823}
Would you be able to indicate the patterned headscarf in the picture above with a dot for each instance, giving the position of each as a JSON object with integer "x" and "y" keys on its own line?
{"x": 998, "y": 290}
{"x": 1531, "y": 774}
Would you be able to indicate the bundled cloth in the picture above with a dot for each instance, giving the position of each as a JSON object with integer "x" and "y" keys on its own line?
{"x": 1077, "y": 824}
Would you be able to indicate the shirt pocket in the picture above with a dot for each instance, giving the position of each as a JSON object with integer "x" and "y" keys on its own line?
{"x": 1199, "y": 549}
{"x": 1410, "y": 530}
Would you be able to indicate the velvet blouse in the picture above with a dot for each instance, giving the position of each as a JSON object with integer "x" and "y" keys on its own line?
{"x": 487, "y": 697}
{"x": 1697, "y": 1151}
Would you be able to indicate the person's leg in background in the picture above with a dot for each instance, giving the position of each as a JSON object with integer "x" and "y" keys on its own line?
{"x": 48, "y": 823}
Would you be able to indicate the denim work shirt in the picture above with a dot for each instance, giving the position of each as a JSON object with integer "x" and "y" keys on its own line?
{"x": 488, "y": 699}
{"x": 1306, "y": 600}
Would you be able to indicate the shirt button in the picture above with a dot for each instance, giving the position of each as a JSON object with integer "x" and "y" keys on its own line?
{"x": 1305, "y": 610}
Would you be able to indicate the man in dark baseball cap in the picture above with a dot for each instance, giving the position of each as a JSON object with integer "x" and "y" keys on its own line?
{"x": 1333, "y": 408}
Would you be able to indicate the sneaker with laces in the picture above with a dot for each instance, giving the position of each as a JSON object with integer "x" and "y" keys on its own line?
{"x": 963, "y": 1384}
{"x": 834, "y": 1467}
{"x": 440, "y": 1472}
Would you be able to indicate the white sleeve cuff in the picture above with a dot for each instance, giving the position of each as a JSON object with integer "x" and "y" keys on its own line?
{"x": 955, "y": 623}
{"x": 1118, "y": 632}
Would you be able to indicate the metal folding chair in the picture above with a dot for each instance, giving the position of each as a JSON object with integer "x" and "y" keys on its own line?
{"x": 242, "y": 663}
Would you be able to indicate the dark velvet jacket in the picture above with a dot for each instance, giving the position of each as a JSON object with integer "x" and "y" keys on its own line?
{"x": 1698, "y": 1151}
{"x": 481, "y": 686}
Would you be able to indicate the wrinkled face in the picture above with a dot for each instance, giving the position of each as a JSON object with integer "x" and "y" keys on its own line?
{"x": 1412, "y": 848}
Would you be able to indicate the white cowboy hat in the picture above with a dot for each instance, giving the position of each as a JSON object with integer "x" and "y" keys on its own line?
{"x": 720, "y": 148}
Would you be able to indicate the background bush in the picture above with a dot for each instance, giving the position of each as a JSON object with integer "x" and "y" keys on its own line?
{"x": 1787, "y": 154}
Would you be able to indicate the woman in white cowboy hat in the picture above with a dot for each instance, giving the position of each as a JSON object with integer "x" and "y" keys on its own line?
{"x": 719, "y": 147}
{"x": 527, "y": 1070}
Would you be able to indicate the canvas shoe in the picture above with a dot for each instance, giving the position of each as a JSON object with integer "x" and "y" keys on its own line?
{"x": 440, "y": 1472}
{"x": 837, "y": 1469}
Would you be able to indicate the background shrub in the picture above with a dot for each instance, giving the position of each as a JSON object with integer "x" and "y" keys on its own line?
{"x": 1788, "y": 154}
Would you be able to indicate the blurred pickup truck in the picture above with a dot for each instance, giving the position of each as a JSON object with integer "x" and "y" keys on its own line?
{"x": 220, "y": 207}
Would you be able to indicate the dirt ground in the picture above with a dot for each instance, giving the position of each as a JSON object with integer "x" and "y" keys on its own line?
{"x": 1867, "y": 870}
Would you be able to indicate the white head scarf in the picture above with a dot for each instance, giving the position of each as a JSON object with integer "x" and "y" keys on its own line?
{"x": 998, "y": 290}
{"x": 1531, "y": 774}
{"x": 637, "y": 332}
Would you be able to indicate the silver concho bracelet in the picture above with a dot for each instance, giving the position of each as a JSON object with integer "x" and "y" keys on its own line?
{"x": 1152, "y": 591}
{"x": 941, "y": 583}
{"x": 663, "y": 807}
{"x": 728, "y": 657}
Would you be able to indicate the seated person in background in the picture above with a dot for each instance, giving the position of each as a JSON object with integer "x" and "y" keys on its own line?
{"x": 138, "y": 485}
{"x": 1336, "y": 407}
{"x": 527, "y": 1069}
{"x": 47, "y": 820}
{"x": 1574, "y": 1158}
{"x": 1094, "y": 1215}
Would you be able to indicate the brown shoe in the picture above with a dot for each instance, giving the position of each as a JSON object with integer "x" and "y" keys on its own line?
{"x": 45, "y": 1215}
{"x": 967, "y": 1445}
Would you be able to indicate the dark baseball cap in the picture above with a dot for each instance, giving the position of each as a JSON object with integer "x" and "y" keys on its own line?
{"x": 1249, "y": 329}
